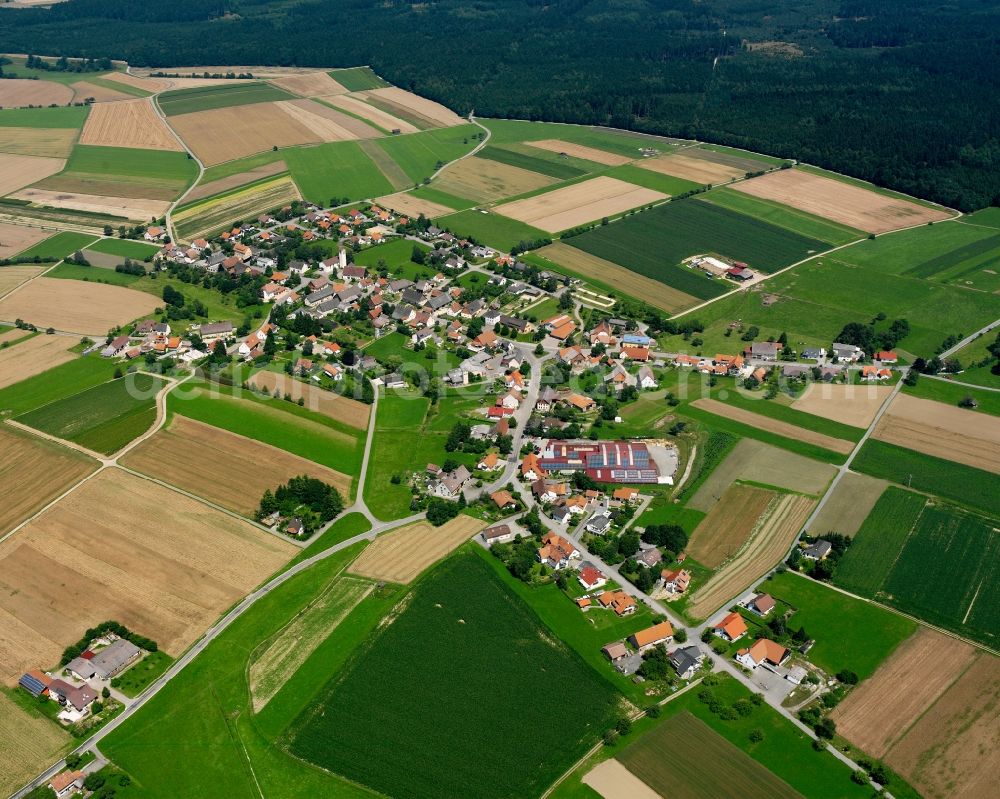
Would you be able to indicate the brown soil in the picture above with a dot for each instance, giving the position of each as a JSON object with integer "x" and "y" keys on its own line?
{"x": 613, "y": 781}
{"x": 401, "y": 555}
{"x": 580, "y": 151}
{"x": 132, "y": 123}
{"x": 728, "y": 526}
{"x": 349, "y": 411}
{"x": 847, "y": 404}
{"x": 691, "y": 167}
{"x": 34, "y": 356}
{"x": 15, "y": 93}
{"x": 775, "y": 426}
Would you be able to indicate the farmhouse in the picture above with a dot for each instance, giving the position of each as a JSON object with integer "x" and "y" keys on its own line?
{"x": 763, "y": 652}
{"x": 731, "y": 628}
{"x": 114, "y": 658}
{"x": 76, "y": 698}
{"x": 625, "y": 662}
{"x": 662, "y": 633}
{"x": 66, "y": 783}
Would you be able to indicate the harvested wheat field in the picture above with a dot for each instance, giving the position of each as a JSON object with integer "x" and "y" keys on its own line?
{"x": 97, "y": 94}
{"x": 399, "y": 556}
{"x": 319, "y": 119}
{"x": 435, "y": 113}
{"x": 18, "y": 171}
{"x": 481, "y": 179}
{"x": 613, "y": 781}
{"x": 34, "y": 472}
{"x": 9, "y": 336}
{"x": 147, "y": 84}
{"x": 878, "y": 713}
{"x": 381, "y": 119}
{"x": 844, "y": 403}
{"x": 580, "y": 151}
{"x": 349, "y": 411}
{"x": 309, "y": 84}
{"x": 221, "y": 185}
{"x": 225, "y": 134}
{"x": 352, "y": 128}
{"x": 45, "y": 142}
{"x": 775, "y": 426}
{"x": 842, "y": 202}
{"x": 139, "y": 210}
{"x": 31, "y": 743}
{"x": 76, "y": 306}
{"x": 293, "y": 644}
{"x": 690, "y": 167}
{"x": 765, "y": 549}
{"x": 15, "y": 93}
{"x": 628, "y": 282}
{"x": 849, "y": 505}
{"x": 34, "y": 356}
{"x": 762, "y": 463}
{"x": 16, "y": 238}
{"x": 953, "y": 750}
{"x": 579, "y": 203}
{"x": 729, "y": 525}
{"x": 13, "y": 276}
{"x": 944, "y": 431}
{"x": 131, "y": 123}
{"x": 405, "y": 203}
{"x": 110, "y": 551}
{"x": 191, "y": 455}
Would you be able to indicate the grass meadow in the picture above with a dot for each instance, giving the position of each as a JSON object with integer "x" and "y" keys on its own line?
{"x": 338, "y": 169}
{"x": 987, "y": 402}
{"x": 204, "y": 98}
{"x": 531, "y": 162}
{"x": 357, "y": 79}
{"x": 56, "y": 384}
{"x": 418, "y": 154}
{"x": 492, "y": 229}
{"x": 150, "y": 165}
{"x": 511, "y": 131}
{"x": 126, "y": 248}
{"x": 465, "y": 656}
{"x": 63, "y": 117}
{"x": 57, "y": 247}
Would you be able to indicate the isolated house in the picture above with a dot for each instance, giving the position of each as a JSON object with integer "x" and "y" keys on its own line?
{"x": 764, "y": 652}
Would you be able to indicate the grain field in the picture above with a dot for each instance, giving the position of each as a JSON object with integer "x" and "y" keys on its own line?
{"x": 34, "y": 356}
{"x": 131, "y": 123}
{"x": 401, "y": 555}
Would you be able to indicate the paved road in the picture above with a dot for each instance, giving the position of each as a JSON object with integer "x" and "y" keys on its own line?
{"x": 969, "y": 339}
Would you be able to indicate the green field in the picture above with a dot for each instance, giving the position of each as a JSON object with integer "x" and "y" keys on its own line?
{"x": 64, "y": 117}
{"x": 357, "y": 79}
{"x": 240, "y": 165}
{"x": 443, "y": 198}
{"x": 493, "y": 229}
{"x": 444, "y": 669}
{"x": 93, "y": 274}
{"x": 125, "y": 172}
{"x": 964, "y": 485}
{"x": 135, "y": 680}
{"x": 987, "y": 402}
{"x": 56, "y": 384}
{"x": 906, "y": 538}
{"x": 849, "y": 633}
{"x": 203, "y": 98}
{"x": 126, "y": 248}
{"x": 418, "y": 154}
{"x": 57, "y": 247}
{"x": 203, "y": 717}
{"x": 338, "y": 169}
{"x": 532, "y": 163}
{"x": 657, "y": 181}
{"x": 345, "y": 527}
{"x": 114, "y": 85}
{"x": 507, "y": 131}
{"x": 395, "y": 253}
{"x": 103, "y": 418}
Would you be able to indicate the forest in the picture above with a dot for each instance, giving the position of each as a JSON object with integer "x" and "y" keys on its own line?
{"x": 900, "y": 92}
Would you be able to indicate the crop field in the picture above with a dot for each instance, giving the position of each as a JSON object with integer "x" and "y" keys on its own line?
{"x": 41, "y": 142}
{"x": 729, "y": 525}
{"x": 579, "y": 203}
{"x": 116, "y": 207}
{"x": 701, "y": 763}
{"x": 13, "y": 276}
{"x": 132, "y": 124}
{"x": 876, "y": 714}
{"x": 974, "y": 488}
{"x": 205, "y": 98}
{"x": 191, "y": 455}
{"x": 164, "y": 579}
{"x": 16, "y": 238}
{"x": 850, "y": 633}
{"x": 942, "y": 430}
{"x": 523, "y": 158}
{"x": 420, "y": 155}
{"x": 658, "y": 181}
{"x": 854, "y": 405}
{"x": 988, "y": 402}
{"x": 612, "y": 277}
{"x": 405, "y": 203}
{"x": 433, "y": 113}
{"x": 64, "y": 117}
{"x": 104, "y": 418}
{"x": 214, "y": 215}
{"x": 18, "y": 171}
{"x": 761, "y": 463}
{"x": 490, "y": 228}
{"x": 223, "y": 185}
{"x": 841, "y": 202}
{"x": 849, "y": 505}
{"x": 401, "y": 555}
{"x": 652, "y": 242}
{"x": 33, "y": 357}
{"x": 31, "y": 743}
{"x": 482, "y": 180}
{"x": 15, "y": 93}
{"x": 56, "y": 383}
{"x": 34, "y": 472}
{"x": 309, "y": 84}
{"x": 343, "y": 409}
{"x": 906, "y": 537}
{"x": 689, "y": 166}
{"x": 338, "y": 168}
{"x": 762, "y": 552}
{"x": 98, "y": 93}
{"x": 459, "y": 607}
{"x": 327, "y": 123}
{"x": 382, "y": 120}
{"x": 291, "y": 647}
{"x": 772, "y": 425}
{"x": 506, "y": 132}
{"x": 953, "y": 749}
{"x": 76, "y": 307}
{"x": 357, "y": 79}
{"x": 579, "y": 151}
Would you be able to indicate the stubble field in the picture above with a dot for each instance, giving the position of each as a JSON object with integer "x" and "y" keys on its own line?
{"x": 401, "y": 555}
{"x": 32, "y": 357}
{"x": 212, "y": 216}
{"x": 14, "y": 239}
{"x": 18, "y": 171}
{"x": 482, "y": 180}
{"x": 434, "y": 113}
{"x": 13, "y": 276}
{"x": 405, "y": 203}
{"x": 376, "y": 116}
{"x": 47, "y": 143}
{"x": 324, "y": 122}
{"x": 30, "y": 743}
{"x": 131, "y": 123}
{"x": 213, "y": 187}
{"x": 580, "y": 151}
{"x": 133, "y": 208}
{"x": 16, "y": 93}
{"x": 309, "y": 84}
{"x": 772, "y": 425}
{"x": 849, "y": 504}
{"x": 689, "y": 167}
{"x": 844, "y": 403}
{"x": 85, "y": 91}
{"x": 728, "y": 526}
{"x": 349, "y": 411}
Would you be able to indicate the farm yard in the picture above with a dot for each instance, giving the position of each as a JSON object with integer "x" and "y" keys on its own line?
{"x": 132, "y": 124}
{"x": 459, "y": 607}
{"x": 76, "y": 307}
{"x": 165, "y": 575}
{"x": 190, "y": 455}
{"x": 843, "y": 202}
{"x": 401, "y": 555}
{"x": 729, "y": 525}
{"x": 33, "y": 357}
{"x": 213, "y": 215}
{"x": 34, "y": 472}
{"x": 30, "y": 744}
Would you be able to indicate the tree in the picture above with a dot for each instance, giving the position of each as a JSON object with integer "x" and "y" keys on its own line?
{"x": 565, "y": 301}
{"x": 680, "y": 635}
{"x": 417, "y": 255}
{"x": 756, "y": 735}
{"x": 667, "y": 536}
{"x": 826, "y": 728}
{"x": 624, "y": 725}
{"x": 847, "y": 677}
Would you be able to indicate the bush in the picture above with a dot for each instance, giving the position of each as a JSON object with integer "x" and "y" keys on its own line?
{"x": 609, "y": 737}
{"x": 624, "y": 725}
{"x": 756, "y": 735}
{"x": 860, "y": 777}
{"x": 653, "y": 711}
{"x": 847, "y": 677}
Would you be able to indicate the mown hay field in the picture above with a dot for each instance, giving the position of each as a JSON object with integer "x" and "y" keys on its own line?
{"x": 436, "y": 668}
{"x": 849, "y": 505}
{"x": 85, "y": 91}
{"x": 191, "y": 455}
{"x": 214, "y": 215}
{"x": 34, "y": 472}
{"x": 48, "y": 143}
{"x": 139, "y": 210}
{"x": 481, "y": 180}
{"x": 74, "y": 306}
{"x": 29, "y": 743}
{"x": 434, "y": 113}
{"x": 729, "y": 525}
{"x": 218, "y": 94}
{"x": 842, "y": 202}
{"x": 309, "y": 84}
{"x": 131, "y": 123}
{"x": 15, "y": 93}
{"x": 401, "y": 555}
{"x": 14, "y": 239}
{"x": 844, "y": 403}
{"x": 346, "y": 410}
{"x": 325, "y": 122}
{"x": 32, "y": 357}
{"x": 405, "y": 203}
{"x": 18, "y": 171}
{"x": 109, "y": 551}
{"x": 692, "y": 167}
{"x": 382, "y": 120}
{"x": 13, "y": 276}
